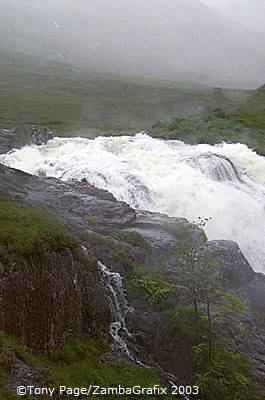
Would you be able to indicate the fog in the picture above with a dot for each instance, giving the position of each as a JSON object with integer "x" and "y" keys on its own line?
{"x": 173, "y": 39}
{"x": 250, "y": 13}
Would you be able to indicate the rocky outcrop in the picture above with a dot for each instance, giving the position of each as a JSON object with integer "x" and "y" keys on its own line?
{"x": 22, "y": 136}
{"x": 23, "y": 375}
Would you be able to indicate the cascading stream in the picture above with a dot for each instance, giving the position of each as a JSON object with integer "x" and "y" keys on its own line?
{"x": 225, "y": 182}
{"x": 119, "y": 308}
{"x": 118, "y": 330}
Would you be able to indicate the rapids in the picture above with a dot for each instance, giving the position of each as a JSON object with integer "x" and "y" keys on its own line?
{"x": 225, "y": 182}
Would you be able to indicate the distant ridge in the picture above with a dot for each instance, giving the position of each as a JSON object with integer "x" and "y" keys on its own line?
{"x": 169, "y": 39}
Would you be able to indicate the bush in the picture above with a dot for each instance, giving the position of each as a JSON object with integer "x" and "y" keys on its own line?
{"x": 148, "y": 288}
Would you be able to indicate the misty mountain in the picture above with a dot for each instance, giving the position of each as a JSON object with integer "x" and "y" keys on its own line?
{"x": 172, "y": 39}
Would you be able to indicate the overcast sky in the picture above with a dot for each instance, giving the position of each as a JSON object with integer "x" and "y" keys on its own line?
{"x": 248, "y": 12}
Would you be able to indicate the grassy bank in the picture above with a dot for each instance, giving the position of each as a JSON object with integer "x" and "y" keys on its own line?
{"x": 77, "y": 364}
{"x": 27, "y": 231}
{"x": 245, "y": 125}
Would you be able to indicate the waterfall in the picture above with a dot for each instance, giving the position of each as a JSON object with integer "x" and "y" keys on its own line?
{"x": 119, "y": 309}
{"x": 118, "y": 330}
{"x": 225, "y": 182}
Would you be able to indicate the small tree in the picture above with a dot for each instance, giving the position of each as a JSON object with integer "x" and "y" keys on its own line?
{"x": 210, "y": 280}
{"x": 204, "y": 278}
{"x": 189, "y": 255}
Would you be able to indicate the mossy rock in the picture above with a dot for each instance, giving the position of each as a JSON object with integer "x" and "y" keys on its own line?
{"x": 132, "y": 237}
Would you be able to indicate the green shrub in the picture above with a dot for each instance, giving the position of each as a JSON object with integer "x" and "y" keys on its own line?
{"x": 142, "y": 285}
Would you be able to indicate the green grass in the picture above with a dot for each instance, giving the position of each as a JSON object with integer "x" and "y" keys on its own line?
{"x": 252, "y": 111}
{"x": 77, "y": 364}
{"x": 83, "y": 373}
{"x": 84, "y": 368}
{"x": 7, "y": 395}
{"x": 227, "y": 376}
{"x": 10, "y": 349}
{"x": 74, "y": 102}
{"x": 26, "y": 231}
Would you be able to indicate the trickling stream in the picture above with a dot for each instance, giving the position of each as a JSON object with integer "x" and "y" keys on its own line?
{"x": 119, "y": 308}
{"x": 118, "y": 330}
{"x": 225, "y": 182}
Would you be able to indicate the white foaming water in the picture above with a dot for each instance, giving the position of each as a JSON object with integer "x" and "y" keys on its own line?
{"x": 225, "y": 182}
{"x": 119, "y": 308}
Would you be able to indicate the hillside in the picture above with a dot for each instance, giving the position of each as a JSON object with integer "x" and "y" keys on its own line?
{"x": 246, "y": 124}
{"x": 252, "y": 111}
{"x": 173, "y": 39}
{"x": 74, "y": 101}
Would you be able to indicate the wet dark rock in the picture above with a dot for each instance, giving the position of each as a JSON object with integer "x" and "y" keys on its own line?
{"x": 108, "y": 358}
{"x": 73, "y": 202}
{"x": 47, "y": 299}
{"x": 23, "y": 375}
{"x": 22, "y": 136}
{"x": 229, "y": 256}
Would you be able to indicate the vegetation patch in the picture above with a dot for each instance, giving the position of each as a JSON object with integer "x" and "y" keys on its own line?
{"x": 77, "y": 102}
{"x": 132, "y": 237}
{"x": 244, "y": 125}
{"x": 227, "y": 376}
{"x": 25, "y": 231}
{"x": 198, "y": 326}
{"x": 142, "y": 285}
{"x": 78, "y": 362}
{"x": 8, "y": 395}
{"x": 10, "y": 350}
{"x": 180, "y": 324}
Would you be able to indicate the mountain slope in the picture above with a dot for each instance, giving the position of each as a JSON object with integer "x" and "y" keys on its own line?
{"x": 170, "y": 39}
{"x": 75, "y": 101}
